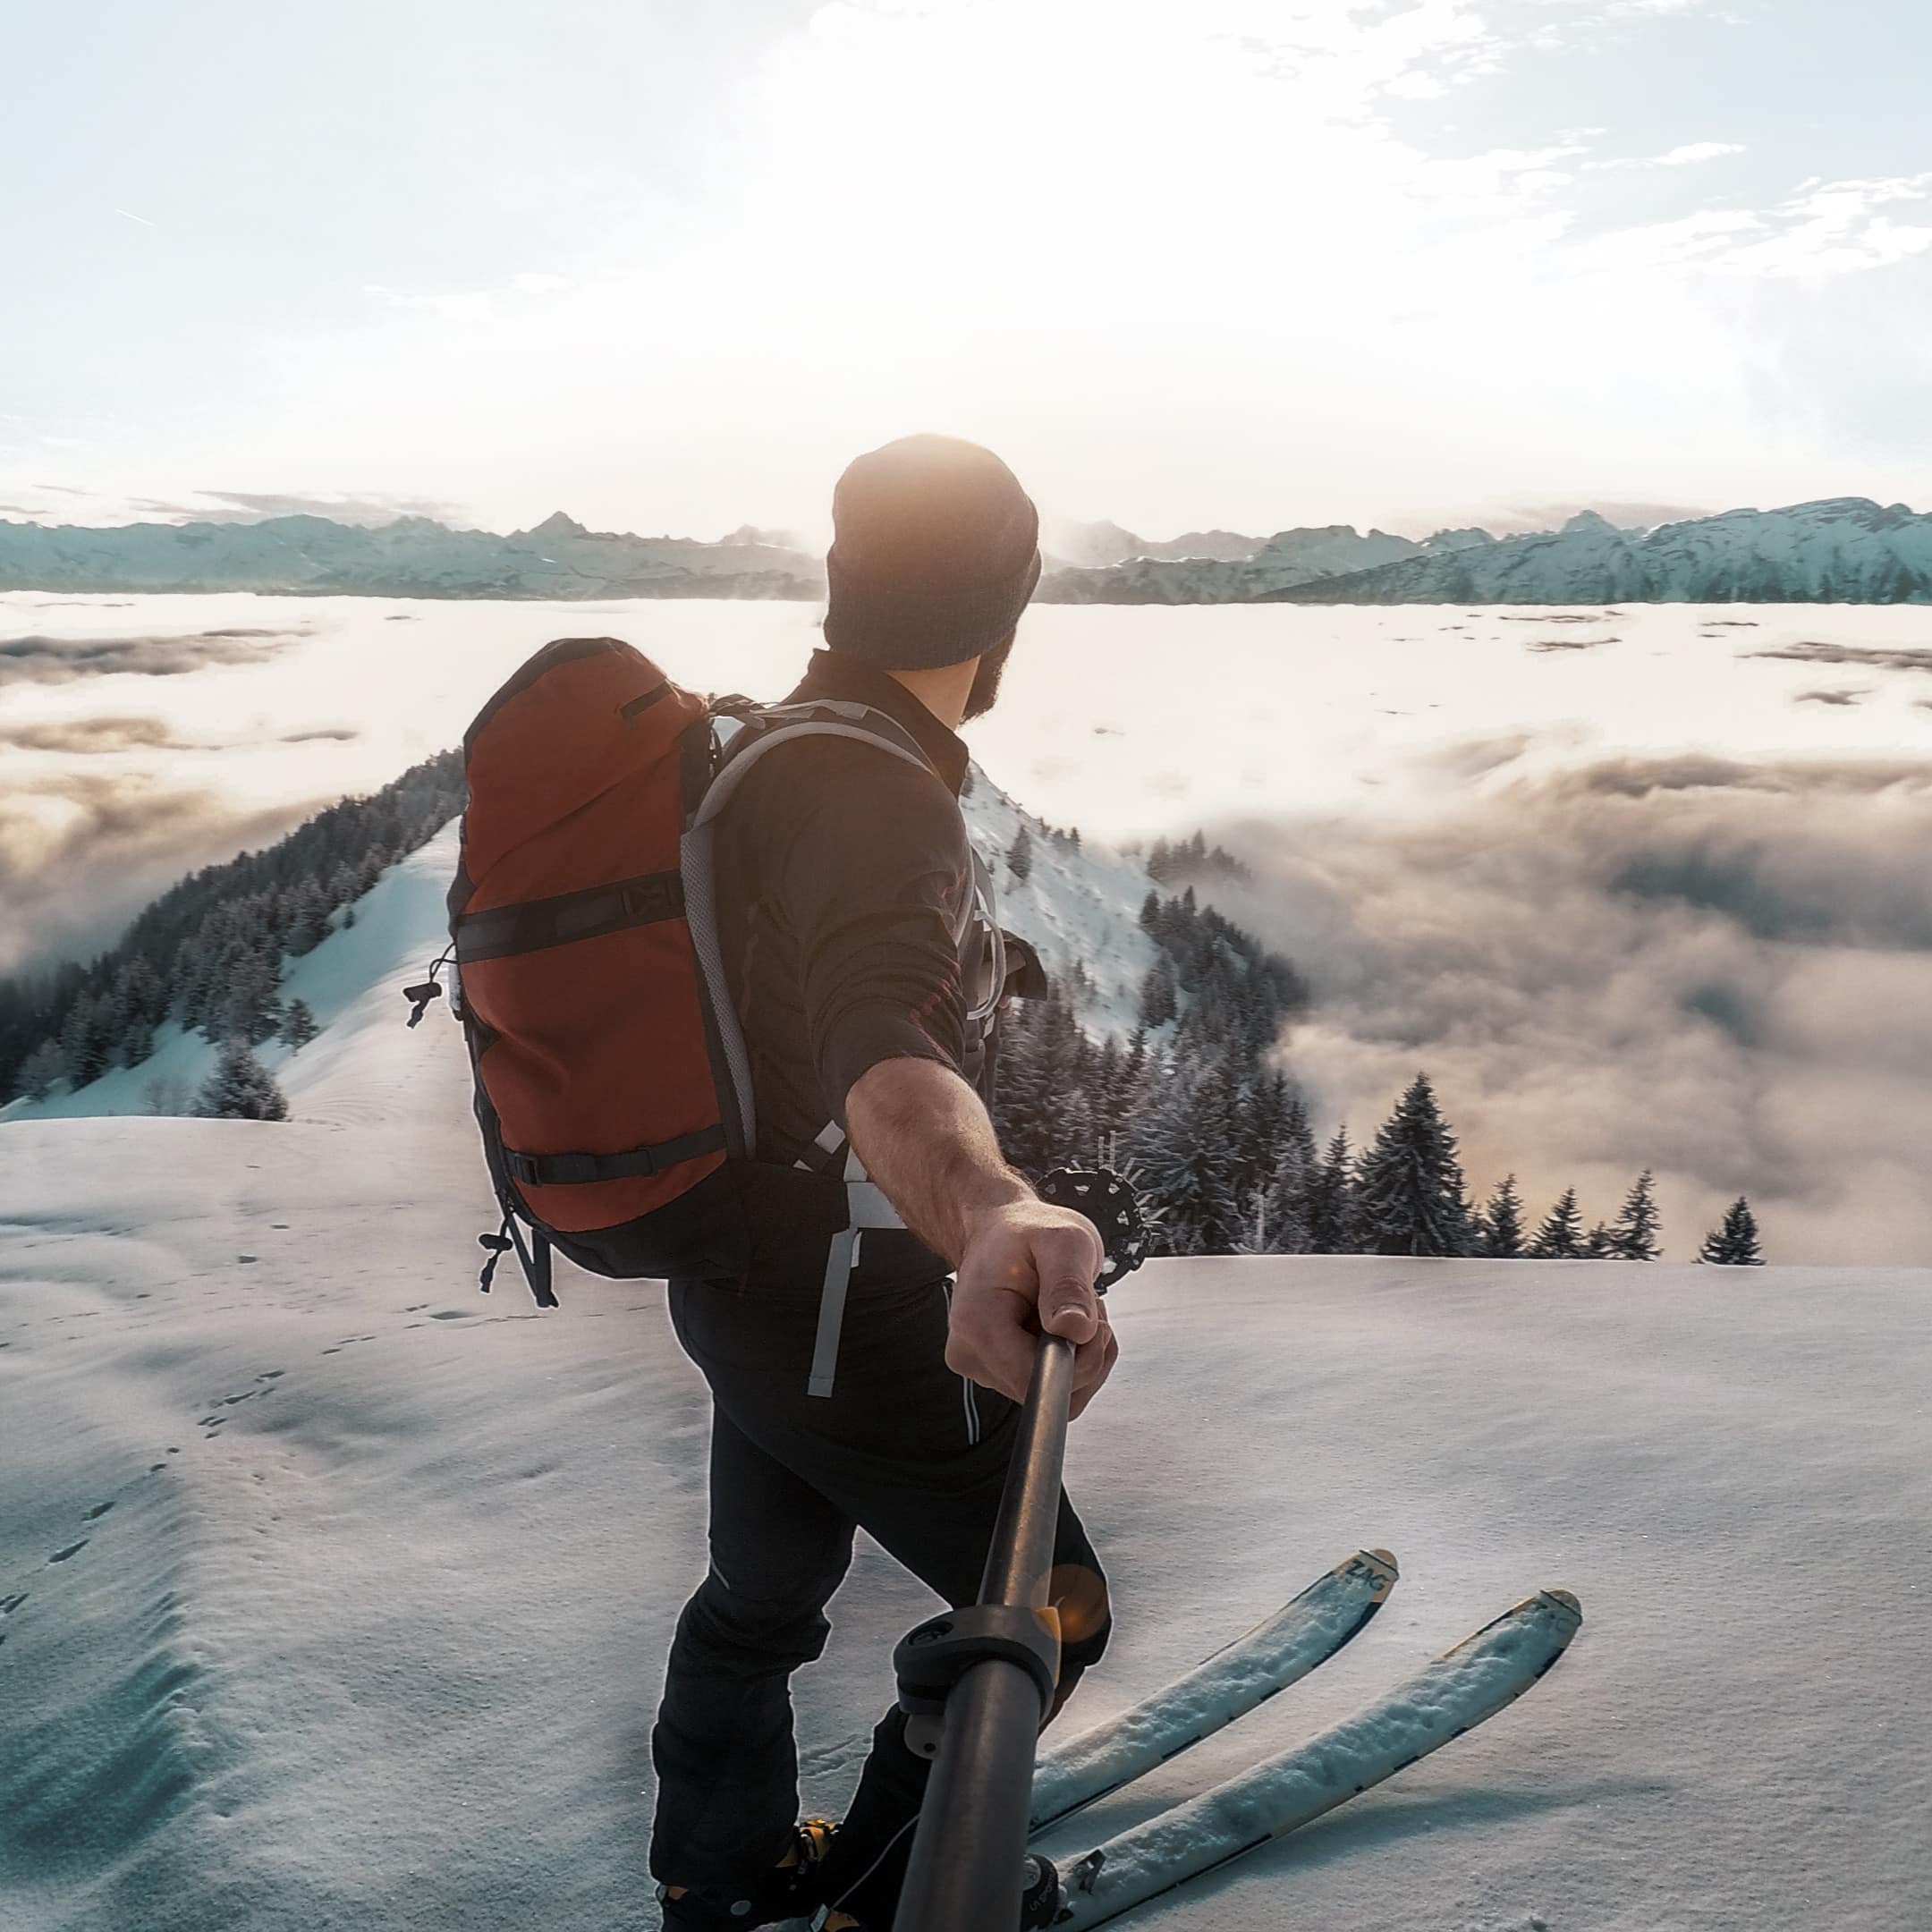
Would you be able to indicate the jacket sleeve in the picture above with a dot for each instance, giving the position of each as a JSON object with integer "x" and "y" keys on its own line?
{"x": 871, "y": 879}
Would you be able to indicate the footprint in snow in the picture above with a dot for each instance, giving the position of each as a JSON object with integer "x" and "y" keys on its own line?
{"x": 72, "y": 1549}
{"x": 9, "y": 1605}
{"x": 96, "y": 1513}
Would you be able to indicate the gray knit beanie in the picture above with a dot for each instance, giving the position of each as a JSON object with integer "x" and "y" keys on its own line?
{"x": 934, "y": 551}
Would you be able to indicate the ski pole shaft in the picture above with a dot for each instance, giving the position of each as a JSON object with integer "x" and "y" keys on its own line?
{"x": 970, "y": 1841}
{"x": 1019, "y": 1561}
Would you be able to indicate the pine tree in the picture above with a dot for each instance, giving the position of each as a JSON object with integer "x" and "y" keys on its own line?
{"x": 1179, "y": 1143}
{"x": 241, "y": 1088}
{"x": 251, "y": 993}
{"x": 1733, "y": 1243}
{"x": 1561, "y": 1236}
{"x": 298, "y": 1024}
{"x": 1502, "y": 1228}
{"x": 1020, "y": 854}
{"x": 82, "y": 1043}
{"x": 136, "y": 1044}
{"x": 42, "y": 1071}
{"x": 1409, "y": 1188}
{"x": 1633, "y": 1233}
{"x": 1150, "y": 912}
{"x": 1158, "y": 998}
{"x": 1597, "y": 1243}
{"x": 1329, "y": 1214}
{"x": 308, "y": 916}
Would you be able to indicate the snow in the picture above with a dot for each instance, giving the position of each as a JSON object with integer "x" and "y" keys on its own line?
{"x": 1073, "y": 906}
{"x": 352, "y": 975}
{"x": 335, "y": 1596}
{"x": 1839, "y": 550}
{"x": 411, "y": 557}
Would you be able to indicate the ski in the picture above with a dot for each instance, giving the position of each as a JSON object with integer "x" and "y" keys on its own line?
{"x": 1460, "y": 1690}
{"x": 1280, "y": 1650}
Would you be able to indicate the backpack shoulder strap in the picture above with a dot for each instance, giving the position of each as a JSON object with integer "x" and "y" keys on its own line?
{"x": 743, "y": 735}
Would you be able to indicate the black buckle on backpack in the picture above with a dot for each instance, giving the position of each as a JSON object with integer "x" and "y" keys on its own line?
{"x": 553, "y": 1170}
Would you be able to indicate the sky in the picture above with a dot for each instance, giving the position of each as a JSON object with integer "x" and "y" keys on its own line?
{"x": 1246, "y": 262}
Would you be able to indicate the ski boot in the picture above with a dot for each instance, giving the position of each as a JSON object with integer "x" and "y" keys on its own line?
{"x": 785, "y": 1892}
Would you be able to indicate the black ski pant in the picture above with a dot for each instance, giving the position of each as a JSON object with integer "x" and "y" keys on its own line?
{"x": 904, "y": 1449}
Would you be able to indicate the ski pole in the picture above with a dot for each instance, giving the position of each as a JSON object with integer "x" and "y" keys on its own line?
{"x": 988, "y": 1675}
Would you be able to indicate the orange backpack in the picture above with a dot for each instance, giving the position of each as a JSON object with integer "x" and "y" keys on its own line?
{"x": 612, "y": 1083}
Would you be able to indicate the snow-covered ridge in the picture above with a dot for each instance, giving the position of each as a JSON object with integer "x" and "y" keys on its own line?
{"x": 1158, "y": 575}
{"x": 1841, "y": 550}
{"x": 413, "y": 556}
{"x": 1078, "y": 905}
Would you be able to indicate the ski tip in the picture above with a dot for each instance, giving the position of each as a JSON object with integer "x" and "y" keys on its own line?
{"x": 1554, "y": 1612}
{"x": 1565, "y": 1603}
{"x": 1377, "y": 1566}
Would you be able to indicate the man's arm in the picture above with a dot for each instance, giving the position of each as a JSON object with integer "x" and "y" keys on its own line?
{"x": 1021, "y": 1265}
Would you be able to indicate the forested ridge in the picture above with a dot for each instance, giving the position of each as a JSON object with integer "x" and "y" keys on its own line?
{"x": 1197, "y": 1111}
{"x": 208, "y": 953}
{"x": 1194, "y": 1107}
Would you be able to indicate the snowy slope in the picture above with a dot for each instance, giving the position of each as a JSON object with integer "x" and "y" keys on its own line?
{"x": 353, "y": 976}
{"x": 1077, "y": 907}
{"x": 333, "y": 1597}
{"x": 336, "y": 1595}
{"x": 1841, "y": 550}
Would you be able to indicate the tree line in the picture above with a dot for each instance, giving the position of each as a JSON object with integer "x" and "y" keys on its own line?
{"x": 210, "y": 953}
{"x": 1218, "y": 1143}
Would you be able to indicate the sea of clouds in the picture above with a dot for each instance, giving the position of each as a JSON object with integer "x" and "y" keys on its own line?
{"x": 1616, "y": 878}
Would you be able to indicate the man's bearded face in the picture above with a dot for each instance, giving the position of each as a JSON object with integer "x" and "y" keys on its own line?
{"x": 985, "y": 683}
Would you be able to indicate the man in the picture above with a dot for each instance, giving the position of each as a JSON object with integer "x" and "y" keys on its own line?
{"x": 844, "y": 881}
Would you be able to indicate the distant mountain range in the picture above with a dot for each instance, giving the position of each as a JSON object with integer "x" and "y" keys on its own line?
{"x": 1842, "y": 549}
{"x": 413, "y": 558}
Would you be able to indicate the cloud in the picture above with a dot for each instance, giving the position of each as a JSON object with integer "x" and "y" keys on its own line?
{"x": 1693, "y": 152}
{"x": 367, "y": 509}
{"x": 1826, "y": 230}
{"x": 1831, "y": 697}
{"x": 89, "y": 736}
{"x": 82, "y": 853}
{"x": 1689, "y": 154}
{"x": 1720, "y": 971}
{"x": 1902, "y": 657}
{"x": 53, "y": 660}
{"x": 370, "y": 508}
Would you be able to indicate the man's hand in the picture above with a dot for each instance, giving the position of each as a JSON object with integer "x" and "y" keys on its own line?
{"x": 1029, "y": 1268}
{"x": 1021, "y": 1265}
